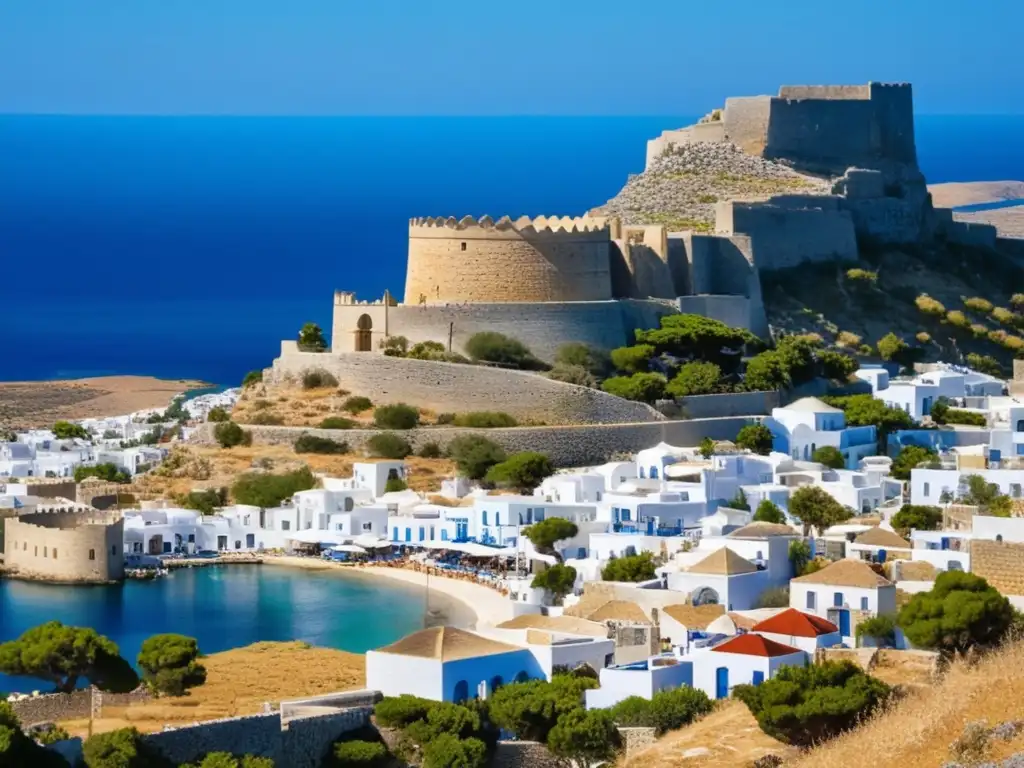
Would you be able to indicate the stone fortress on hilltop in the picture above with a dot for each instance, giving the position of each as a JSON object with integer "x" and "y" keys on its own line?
{"x": 766, "y": 183}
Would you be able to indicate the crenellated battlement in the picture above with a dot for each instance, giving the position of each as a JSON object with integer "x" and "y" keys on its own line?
{"x": 524, "y": 225}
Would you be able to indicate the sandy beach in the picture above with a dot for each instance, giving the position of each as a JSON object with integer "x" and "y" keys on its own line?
{"x": 462, "y": 603}
{"x": 955, "y": 193}
{"x": 40, "y": 403}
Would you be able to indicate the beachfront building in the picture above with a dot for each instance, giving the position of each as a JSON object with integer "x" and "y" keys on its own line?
{"x": 186, "y": 531}
{"x": 802, "y": 427}
{"x": 448, "y": 664}
{"x": 321, "y": 510}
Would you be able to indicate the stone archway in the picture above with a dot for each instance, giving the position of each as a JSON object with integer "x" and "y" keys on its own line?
{"x": 364, "y": 334}
{"x": 705, "y": 596}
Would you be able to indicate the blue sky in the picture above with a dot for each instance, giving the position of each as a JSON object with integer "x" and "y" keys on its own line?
{"x": 416, "y": 57}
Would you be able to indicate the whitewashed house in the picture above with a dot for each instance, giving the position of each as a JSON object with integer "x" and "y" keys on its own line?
{"x": 723, "y": 578}
{"x": 640, "y": 678}
{"x": 879, "y": 545}
{"x": 747, "y": 659}
{"x": 841, "y": 587}
{"x": 805, "y": 631}
{"x": 928, "y": 486}
{"x": 802, "y": 427}
{"x": 369, "y": 475}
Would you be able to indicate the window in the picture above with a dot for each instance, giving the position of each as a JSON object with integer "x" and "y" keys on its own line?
{"x": 484, "y": 518}
{"x": 927, "y": 489}
{"x": 423, "y": 534}
{"x": 113, "y": 551}
{"x": 837, "y": 599}
{"x": 497, "y": 518}
{"x": 54, "y": 553}
{"x": 1015, "y": 490}
{"x": 46, "y": 551}
{"x": 36, "y": 552}
{"x": 461, "y": 691}
{"x": 191, "y": 538}
{"x": 286, "y": 525}
{"x": 367, "y": 526}
{"x": 394, "y": 534}
{"x": 863, "y": 603}
{"x": 1020, "y": 425}
{"x": 444, "y": 535}
{"x": 811, "y": 601}
{"x": 462, "y": 246}
{"x": 92, "y": 554}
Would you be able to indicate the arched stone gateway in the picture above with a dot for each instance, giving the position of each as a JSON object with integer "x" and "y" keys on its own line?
{"x": 364, "y": 334}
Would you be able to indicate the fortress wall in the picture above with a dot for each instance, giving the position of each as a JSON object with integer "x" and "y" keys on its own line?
{"x": 825, "y": 92}
{"x": 543, "y": 327}
{"x": 566, "y": 446}
{"x": 513, "y": 263}
{"x": 786, "y": 235}
{"x": 458, "y": 388}
{"x": 737, "y": 311}
{"x": 713, "y": 131}
{"x": 889, "y": 219}
{"x": 645, "y": 253}
{"x": 56, "y": 546}
{"x": 746, "y": 122}
{"x": 730, "y": 403}
{"x": 894, "y": 115}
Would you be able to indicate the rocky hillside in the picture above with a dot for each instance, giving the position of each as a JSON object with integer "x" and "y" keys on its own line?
{"x": 681, "y": 187}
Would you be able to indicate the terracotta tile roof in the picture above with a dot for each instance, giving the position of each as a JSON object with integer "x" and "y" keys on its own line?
{"x": 846, "y": 573}
{"x": 694, "y": 616}
{"x": 619, "y": 610}
{"x": 754, "y": 645}
{"x": 568, "y": 624}
{"x": 742, "y": 622}
{"x": 446, "y": 644}
{"x": 880, "y": 537}
{"x": 796, "y": 624}
{"x": 761, "y": 530}
{"x": 723, "y": 562}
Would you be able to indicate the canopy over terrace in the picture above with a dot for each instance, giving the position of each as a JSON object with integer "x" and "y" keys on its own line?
{"x": 472, "y": 549}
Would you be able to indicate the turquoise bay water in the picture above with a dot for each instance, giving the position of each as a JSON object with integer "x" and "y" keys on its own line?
{"x": 223, "y": 608}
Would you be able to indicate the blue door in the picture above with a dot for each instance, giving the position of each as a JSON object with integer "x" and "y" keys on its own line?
{"x": 650, "y": 526}
{"x": 408, "y": 534}
{"x": 461, "y": 530}
{"x": 844, "y": 623}
{"x": 881, "y": 555}
{"x": 758, "y": 678}
{"x": 722, "y": 683}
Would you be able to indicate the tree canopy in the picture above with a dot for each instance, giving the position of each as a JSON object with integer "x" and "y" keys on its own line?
{"x": 494, "y": 347}
{"x": 62, "y": 655}
{"x": 523, "y": 471}
{"x": 813, "y": 506}
{"x": 981, "y": 493}
{"x": 227, "y": 760}
{"x": 558, "y": 579}
{"x": 123, "y": 748}
{"x": 766, "y": 372}
{"x": 634, "y": 359}
{"x": 107, "y": 471}
{"x": 17, "y": 749}
{"x": 697, "y": 337}
{"x": 264, "y": 490}
{"x": 866, "y": 410}
{"x": 530, "y": 709}
{"x": 909, "y": 457}
{"x": 65, "y": 430}
{"x": 228, "y": 435}
{"x": 756, "y": 438}
{"x": 916, "y": 517}
{"x": 807, "y": 705}
{"x": 642, "y": 387}
{"x": 696, "y": 378}
{"x": 631, "y": 568}
{"x": 769, "y": 512}
{"x": 576, "y": 354}
{"x": 582, "y": 737}
{"x": 666, "y": 710}
{"x": 960, "y": 612}
{"x": 830, "y": 456}
{"x": 547, "y": 532}
{"x": 474, "y": 455}
{"x": 170, "y": 664}
{"x": 311, "y": 338}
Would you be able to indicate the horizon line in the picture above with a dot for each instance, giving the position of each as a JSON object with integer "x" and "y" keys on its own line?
{"x": 406, "y": 116}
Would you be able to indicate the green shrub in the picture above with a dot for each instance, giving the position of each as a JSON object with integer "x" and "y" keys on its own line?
{"x": 909, "y": 457}
{"x": 396, "y": 416}
{"x": 695, "y": 379}
{"x": 531, "y": 709}
{"x": 337, "y": 422}
{"x": 545, "y": 534}
{"x": 445, "y": 418}
{"x": 957, "y": 416}
{"x": 891, "y": 347}
{"x": 643, "y": 387}
{"x": 170, "y": 664}
{"x": 984, "y": 364}
{"x": 430, "y": 451}
{"x": 808, "y": 705}
{"x": 572, "y": 374}
{"x": 485, "y": 420}
{"x": 631, "y": 568}
{"x": 1017, "y": 300}
{"x": 576, "y": 354}
{"x": 218, "y": 414}
{"x": 67, "y": 430}
{"x": 388, "y": 445}
{"x": 777, "y": 597}
{"x": 394, "y": 485}
{"x": 228, "y": 435}
{"x": 978, "y": 304}
{"x": 522, "y": 471}
{"x": 252, "y": 377}
{"x": 836, "y": 365}
{"x": 881, "y": 628}
{"x": 1005, "y": 316}
{"x": 394, "y": 346}
{"x": 863, "y": 276}
{"x": 428, "y": 350}
{"x": 557, "y": 579}
{"x": 666, "y": 710}
{"x": 635, "y": 359}
{"x": 979, "y": 330}
{"x": 400, "y": 711}
{"x": 848, "y": 339}
{"x": 123, "y": 748}
{"x": 766, "y": 372}
{"x": 494, "y": 347}
{"x": 261, "y": 489}
{"x": 314, "y": 444}
{"x": 318, "y": 378}
{"x": 923, "y": 337}
{"x": 929, "y": 306}
{"x": 358, "y": 754}
{"x": 830, "y": 456}
{"x": 357, "y": 404}
{"x": 447, "y": 751}
{"x": 474, "y": 455}
{"x": 756, "y": 438}
{"x": 107, "y": 471}
{"x": 769, "y": 512}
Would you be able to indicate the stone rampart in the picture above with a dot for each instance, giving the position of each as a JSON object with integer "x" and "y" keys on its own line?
{"x": 523, "y": 754}
{"x": 542, "y": 259}
{"x": 567, "y": 446}
{"x": 637, "y": 739}
{"x": 51, "y": 707}
{"x": 299, "y": 743}
{"x": 458, "y": 388}
{"x": 729, "y": 404}
{"x": 65, "y": 546}
{"x": 791, "y": 230}
{"x": 543, "y": 326}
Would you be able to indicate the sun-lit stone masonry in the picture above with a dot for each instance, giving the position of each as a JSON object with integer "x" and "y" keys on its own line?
{"x": 84, "y": 546}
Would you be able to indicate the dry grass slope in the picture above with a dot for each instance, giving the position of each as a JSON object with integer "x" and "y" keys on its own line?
{"x": 238, "y": 682}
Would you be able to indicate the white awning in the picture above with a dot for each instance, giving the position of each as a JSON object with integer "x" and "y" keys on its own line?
{"x": 348, "y": 548}
{"x": 370, "y": 541}
{"x": 318, "y": 537}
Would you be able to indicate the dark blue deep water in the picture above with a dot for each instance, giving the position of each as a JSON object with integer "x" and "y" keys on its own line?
{"x": 188, "y": 247}
{"x": 223, "y": 608}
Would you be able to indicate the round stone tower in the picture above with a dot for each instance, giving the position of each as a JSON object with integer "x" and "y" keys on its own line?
{"x": 531, "y": 260}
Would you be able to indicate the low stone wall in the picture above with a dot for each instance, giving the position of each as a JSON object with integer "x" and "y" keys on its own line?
{"x": 637, "y": 739}
{"x": 568, "y": 446}
{"x": 51, "y": 707}
{"x": 729, "y": 404}
{"x": 458, "y": 388}
{"x": 299, "y": 743}
{"x": 523, "y": 754}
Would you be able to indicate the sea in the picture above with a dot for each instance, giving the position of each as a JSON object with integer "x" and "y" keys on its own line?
{"x": 190, "y": 246}
{"x": 224, "y": 607}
